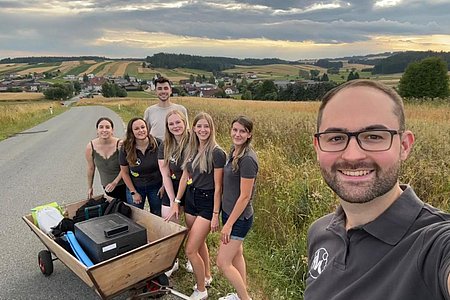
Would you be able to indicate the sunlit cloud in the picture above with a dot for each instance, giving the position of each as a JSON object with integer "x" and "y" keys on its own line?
{"x": 387, "y": 3}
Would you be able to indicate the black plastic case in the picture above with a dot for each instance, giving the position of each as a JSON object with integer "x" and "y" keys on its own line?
{"x": 107, "y": 236}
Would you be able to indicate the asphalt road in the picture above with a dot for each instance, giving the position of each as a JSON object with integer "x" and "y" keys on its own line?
{"x": 43, "y": 164}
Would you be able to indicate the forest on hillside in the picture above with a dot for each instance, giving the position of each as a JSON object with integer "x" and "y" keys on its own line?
{"x": 206, "y": 63}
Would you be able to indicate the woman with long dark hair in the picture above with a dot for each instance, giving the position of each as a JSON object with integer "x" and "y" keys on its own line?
{"x": 139, "y": 166}
{"x": 237, "y": 211}
{"x": 103, "y": 153}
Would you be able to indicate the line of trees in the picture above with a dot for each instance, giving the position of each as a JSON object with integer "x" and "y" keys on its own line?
{"x": 267, "y": 90}
{"x": 206, "y": 63}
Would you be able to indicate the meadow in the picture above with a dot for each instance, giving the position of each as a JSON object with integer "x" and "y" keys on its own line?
{"x": 290, "y": 191}
{"x": 16, "y": 116}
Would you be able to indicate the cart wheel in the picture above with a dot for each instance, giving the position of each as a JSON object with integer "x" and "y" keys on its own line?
{"x": 45, "y": 262}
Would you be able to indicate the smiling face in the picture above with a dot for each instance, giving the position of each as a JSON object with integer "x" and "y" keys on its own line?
{"x": 139, "y": 129}
{"x": 175, "y": 125}
{"x": 356, "y": 175}
{"x": 202, "y": 130}
{"x": 105, "y": 130}
{"x": 163, "y": 91}
{"x": 239, "y": 134}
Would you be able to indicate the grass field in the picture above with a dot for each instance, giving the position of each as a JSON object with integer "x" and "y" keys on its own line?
{"x": 21, "y": 96}
{"x": 16, "y": 117}
{"x": 290, "y": 190}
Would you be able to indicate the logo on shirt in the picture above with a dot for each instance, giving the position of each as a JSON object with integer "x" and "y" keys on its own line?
{"x": 318, "y": 263}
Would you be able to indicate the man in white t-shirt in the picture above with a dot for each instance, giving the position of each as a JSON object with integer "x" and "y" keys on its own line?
{"x": 155, "y": 115}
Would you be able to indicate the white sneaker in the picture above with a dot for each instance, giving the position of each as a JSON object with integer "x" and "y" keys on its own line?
{"x": 174, "y": 268}
{"x": 197, "y": 295}
{"x": 230, "y": 296}
{"x": 207, "y": 283}
{"x": 189, "y": 267}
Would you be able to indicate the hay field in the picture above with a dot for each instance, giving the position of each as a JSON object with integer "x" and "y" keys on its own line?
{"x": 279, "y": 70}
{"x": 92, "y": 68}
{"x": 7, "y": 67}
{"x": 358, "y": 67}
{"x": 21, "y": 96}
{"x": 38, "y": 69}
{"x": 66, "y": 66}
{"x": 106, "y": 69}
{"x": 121, "y": 68}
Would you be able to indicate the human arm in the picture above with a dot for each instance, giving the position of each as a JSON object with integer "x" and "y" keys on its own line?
{"x": 125, "y": 173}
{"x": 175, "y": 207}
{"x": 246, "y": 186}
{"x": 218, "y": 183}
{"x": 90, "y": 170}
{"x": 167, "y": 181}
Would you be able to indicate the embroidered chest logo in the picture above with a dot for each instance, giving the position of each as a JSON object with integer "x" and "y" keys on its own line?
{"x": 318, "y": 263}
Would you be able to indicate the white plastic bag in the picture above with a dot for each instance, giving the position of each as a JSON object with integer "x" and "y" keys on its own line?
{"x": 48, "y": 217}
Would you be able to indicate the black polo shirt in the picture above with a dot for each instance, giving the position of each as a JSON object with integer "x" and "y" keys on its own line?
{"x": 146, "y": 172}
{"x": 403, "y": 254}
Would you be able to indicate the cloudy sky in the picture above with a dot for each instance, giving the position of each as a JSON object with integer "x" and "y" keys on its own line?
{"x": 285, "y": 29}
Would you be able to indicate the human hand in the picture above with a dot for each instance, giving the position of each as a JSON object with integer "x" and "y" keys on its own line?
{"x": 215, "y": 223}
{"x": 161, "y": 192}
{"x": 174, "y": 211}
{"x": 137, "y": 198}
{"x": 225, "y": 234}
{"x": 90, "y": 193}
{"x": 110, "y": 187}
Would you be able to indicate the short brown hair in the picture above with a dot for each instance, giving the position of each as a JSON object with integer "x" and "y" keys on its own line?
{"x": 399, "y": 110}
{"x": 162, "y": 80}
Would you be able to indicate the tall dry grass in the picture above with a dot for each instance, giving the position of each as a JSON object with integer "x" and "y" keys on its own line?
{"x": 290, "y": 191}
{"x": 15, "y": 118}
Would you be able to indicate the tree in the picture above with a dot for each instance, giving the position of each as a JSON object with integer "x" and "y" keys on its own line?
{"x": 425, "y": 78}
{"x": 352, "y": 76}
{"x": 77, "y": 87}
{"x": 314, "y": 74}
{"x": 113, "y": 90}
{"x": 212, "y": 80}
{"x": 325, "y": 77}
{"x": 59, "y": 91}
{"x": 191, "y": 79}
{"x": 85, "y": 78}
{"x": 247, "y": 95}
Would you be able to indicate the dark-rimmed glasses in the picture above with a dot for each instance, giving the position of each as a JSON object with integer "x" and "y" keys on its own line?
{"x": 374, "y": 140}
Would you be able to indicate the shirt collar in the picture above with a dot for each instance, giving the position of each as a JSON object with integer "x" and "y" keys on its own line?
{"x": 392, "y": 224}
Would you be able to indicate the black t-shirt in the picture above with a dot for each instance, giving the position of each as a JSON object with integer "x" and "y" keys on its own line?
{"x": 403, "y": 254}
{"x": 174, "y": 166}
{"x": 205, "y": 181}
{"x": 146, "y": 172}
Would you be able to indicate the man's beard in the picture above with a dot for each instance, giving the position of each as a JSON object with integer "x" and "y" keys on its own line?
{"x": 358, "y": 192}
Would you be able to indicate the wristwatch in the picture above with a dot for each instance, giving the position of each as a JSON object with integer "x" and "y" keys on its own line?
{"x": 177, "y": 200}
{"x": 133, "y": 193}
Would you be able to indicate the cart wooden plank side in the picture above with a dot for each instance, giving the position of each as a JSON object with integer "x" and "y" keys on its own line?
{"x": 119, "y": 274}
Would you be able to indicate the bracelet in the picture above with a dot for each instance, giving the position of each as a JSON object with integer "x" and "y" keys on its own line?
{"x": 178, "y": 201}
{"x": 215, "y": 212}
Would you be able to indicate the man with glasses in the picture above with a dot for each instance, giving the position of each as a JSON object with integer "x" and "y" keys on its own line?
{"x": 155, "y": 115}
{"x": 382, "y": 242}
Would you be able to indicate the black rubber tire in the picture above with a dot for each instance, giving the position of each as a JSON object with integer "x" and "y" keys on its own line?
{"x": 45, "y": 262}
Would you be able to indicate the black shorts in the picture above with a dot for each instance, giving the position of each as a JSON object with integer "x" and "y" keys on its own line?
{"x": 165, "y": 198}
{"x": 199, "y": 202}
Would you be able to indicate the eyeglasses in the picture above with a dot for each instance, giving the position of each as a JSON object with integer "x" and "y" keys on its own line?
{"x": 375, "y": 140}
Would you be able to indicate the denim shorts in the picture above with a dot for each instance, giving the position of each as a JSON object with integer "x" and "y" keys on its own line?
{"x": 165, "y": 198}
{"x": 240, "y": 227}
{"x": 199, "y": 202}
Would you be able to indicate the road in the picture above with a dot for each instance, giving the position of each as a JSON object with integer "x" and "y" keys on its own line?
{"x": 43, "y": 164}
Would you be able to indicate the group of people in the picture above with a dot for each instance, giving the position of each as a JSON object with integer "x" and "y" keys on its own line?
{"x": 181, "y": 170}
{"x": 382, "y": 242}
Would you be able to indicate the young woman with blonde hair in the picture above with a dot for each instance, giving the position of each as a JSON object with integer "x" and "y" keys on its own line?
{"x": 203, "y": 164}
